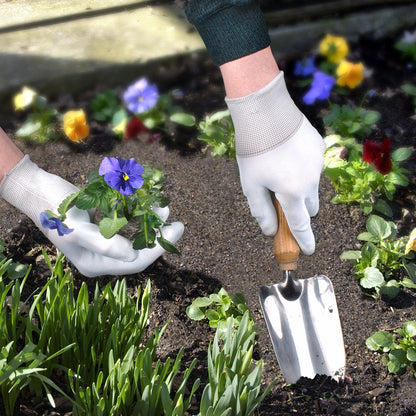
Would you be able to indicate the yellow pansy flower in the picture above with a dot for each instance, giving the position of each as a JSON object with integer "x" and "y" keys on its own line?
{"x": 350, "y": 74}
{"x": 335, "y": 48}
{"x": 411, "y": 244}
{"x": 75, "y": 125}
{"x": 24, "y": 98}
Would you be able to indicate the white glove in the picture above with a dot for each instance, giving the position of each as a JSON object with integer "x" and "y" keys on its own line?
{"x": 278, "y": 150}
{"x": 32, "y": 191}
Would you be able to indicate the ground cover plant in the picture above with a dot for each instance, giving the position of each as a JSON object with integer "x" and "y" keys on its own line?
{"x": 367, "y": 174}
{"x": 108, "y": 363}
{"x": 222, "y": 247}
{"x": 401, "y": 349}
{"x": 382, "y": 257}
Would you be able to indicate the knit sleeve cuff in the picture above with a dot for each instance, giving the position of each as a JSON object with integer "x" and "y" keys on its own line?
{"x": 229, "y": 31}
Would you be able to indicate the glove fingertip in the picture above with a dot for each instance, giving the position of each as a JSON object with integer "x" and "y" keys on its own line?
{"x": 173, "y": 232}
{"x": 162, "y": 212}
{"x": 308, "y": 250}
{"x": 269, "y": 229}
{"x": 306, "y": 242}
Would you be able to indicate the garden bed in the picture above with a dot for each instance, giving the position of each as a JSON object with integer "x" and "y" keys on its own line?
{"x": 223, "y": 247}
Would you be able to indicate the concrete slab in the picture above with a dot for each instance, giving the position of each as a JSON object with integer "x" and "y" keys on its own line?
{"x": 65, "y": 46}
{"x": 24, "y": 12}
{"x": 69, "y": 54}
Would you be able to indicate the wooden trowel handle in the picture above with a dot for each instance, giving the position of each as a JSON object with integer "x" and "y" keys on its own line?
{"x": 285, "y": 248}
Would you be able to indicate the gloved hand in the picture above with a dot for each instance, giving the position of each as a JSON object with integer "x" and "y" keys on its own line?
{"x": 33, "y": 190}
{"x": 278, "y": 150}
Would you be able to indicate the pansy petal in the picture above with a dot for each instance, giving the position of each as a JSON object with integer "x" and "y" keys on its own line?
{"x": 132, "y": 167}
{"x": 109, "y": 164}
{"x": 46, "y": 221}
{"x": 411, "y": 244}
{"x": 310, "y": 97}
{"x": 126, "y": 188}
{"x": 62, "y": 228}
{"x": 136, "y": 182}
{"x": 141, "y": 96}
{"x": 114, "y": 179}
{"x": 53, "y": 223}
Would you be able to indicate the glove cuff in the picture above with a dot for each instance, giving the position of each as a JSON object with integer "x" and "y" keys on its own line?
{"x": 18, "y": 184}
{"x": 31, "y": 189}
{"x": 264, "y": 119}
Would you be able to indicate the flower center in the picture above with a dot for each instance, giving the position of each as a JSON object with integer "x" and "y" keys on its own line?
{"x": 125, "y": 177}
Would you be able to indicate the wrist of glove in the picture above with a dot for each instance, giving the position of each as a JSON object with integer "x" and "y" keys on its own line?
{"x": 33, "y": 190}
{"x": 278, "y": 151}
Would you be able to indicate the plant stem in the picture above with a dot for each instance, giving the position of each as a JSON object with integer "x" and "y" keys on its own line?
{"x": 145, "y": 228}
{"x": 125, "y": 208}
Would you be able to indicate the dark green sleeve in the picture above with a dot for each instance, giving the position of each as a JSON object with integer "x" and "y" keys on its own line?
{"x": 230, "y": 29}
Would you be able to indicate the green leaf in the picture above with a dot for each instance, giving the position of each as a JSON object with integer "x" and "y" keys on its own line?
{"x": 390, "y": 288}
{"x": 168, "y": 246}
{"x": 202, "y": 302}
{"x": 398, "y": 361}
{"x": 183, "y": 119}
{"x": 411, "y": 354}
{"x": 380, "y": 341}
{"x": 383, "y": 207}
{"x": 410, "y": 328}
{"x": 401, "y": 154}
{"x": 111, "y": 226}
{"x": 195, "y": 313}
{"x": 372, "y": 278}
{"x": 369, "y": 254}
{"x": 353, "y": 255}
{"x": 68, "y": 203}
{"x": 397, "y": 178}
{"x": 409, "y": 89}
{"x": 93, "y": 176}
{"x": 354, "y": 127}
{"x": 16, "y": 270}
{"x": 28, "y": 128}
{"x": 119, "y": 116}
{"x": 367, "y": 236}
{"x": 411, "y": 271}
{"x": 212, "y": 315}
{"x": 378, "y": 227}
{"x": 366, "y": 206}
{"x": 410, "y": 284}
{"x": 371, "y": 117}
{"x": 139, "y": 241}
{"x": 94, "y": 195}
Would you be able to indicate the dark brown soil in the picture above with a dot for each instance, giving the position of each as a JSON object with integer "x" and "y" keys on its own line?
{"x": 223, "y": 247}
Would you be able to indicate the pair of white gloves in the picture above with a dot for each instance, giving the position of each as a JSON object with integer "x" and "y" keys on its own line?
{"x": 277, "y": 150}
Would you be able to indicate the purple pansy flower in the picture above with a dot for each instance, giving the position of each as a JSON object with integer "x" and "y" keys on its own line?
{"x": 123, "y": 176}
{"x": 305, "y": 67}
{"x": 54, "y": 224}
{"x": 320, "y": 88}
{"x": 141, "y": 96}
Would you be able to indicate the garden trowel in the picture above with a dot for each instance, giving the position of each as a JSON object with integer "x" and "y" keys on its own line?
{"x": 301, "y": 316}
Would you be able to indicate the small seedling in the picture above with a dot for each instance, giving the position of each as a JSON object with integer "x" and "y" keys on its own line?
{"x": 399, "y": 350}
{"x": 217, "y": 308}
{"x": 382, "y": 259}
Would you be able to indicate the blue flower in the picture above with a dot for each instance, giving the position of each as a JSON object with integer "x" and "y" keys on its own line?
{"x": 54, "y": 224}
{"x": 305, "y": 67}
{"x": 123, "y": 176}
{"x": 141, "y": 96}
{"x": 320, "y": 88}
